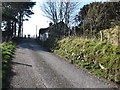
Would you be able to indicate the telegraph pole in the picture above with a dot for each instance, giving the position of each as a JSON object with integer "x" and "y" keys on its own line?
{"x": 36, "y": 31}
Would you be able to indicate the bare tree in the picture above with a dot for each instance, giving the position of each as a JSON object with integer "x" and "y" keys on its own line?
{"x": 60, "y": 10}
{"x": 70, "y": 8}
{"x": 50, "y": 11}
{"x": 61, "y": 7}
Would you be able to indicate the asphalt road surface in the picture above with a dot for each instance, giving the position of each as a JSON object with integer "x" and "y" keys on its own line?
{"x": 35, "y": 67}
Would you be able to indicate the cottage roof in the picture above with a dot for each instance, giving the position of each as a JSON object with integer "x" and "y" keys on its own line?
{"x": 43, "y": 30}
{"x": 61, "y": 25}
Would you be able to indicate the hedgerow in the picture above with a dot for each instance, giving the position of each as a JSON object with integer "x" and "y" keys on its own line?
{"x": 7, "y": 54}
{"x": 100, "y": 57}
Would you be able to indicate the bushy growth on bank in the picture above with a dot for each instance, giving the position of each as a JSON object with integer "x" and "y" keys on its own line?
{"x": 7, "y": 54}
{"x": 103, "y": 59}
{"x": 100, "y": 57}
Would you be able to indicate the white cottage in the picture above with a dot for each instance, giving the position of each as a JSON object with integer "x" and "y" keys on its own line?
{"x": 43, "y": 34}
{"x": 60, "y": 29}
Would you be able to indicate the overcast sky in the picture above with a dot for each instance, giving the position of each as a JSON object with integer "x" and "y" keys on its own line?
{"x": 38, "y": 21}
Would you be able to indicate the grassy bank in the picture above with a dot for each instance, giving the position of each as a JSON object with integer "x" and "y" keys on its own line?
{"x": 7, "y": 54}
{"x": 100, "y": 57}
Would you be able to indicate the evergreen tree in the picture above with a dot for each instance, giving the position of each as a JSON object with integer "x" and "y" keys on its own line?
{"x": 13, "y": 13}
{"x": 97, "y": 16}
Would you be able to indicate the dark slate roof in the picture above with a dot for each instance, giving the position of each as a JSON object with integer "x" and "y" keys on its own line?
{"x": 43, "y": 30}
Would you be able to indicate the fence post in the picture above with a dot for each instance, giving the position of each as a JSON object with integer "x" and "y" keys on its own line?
{"x": 101, "y": 35}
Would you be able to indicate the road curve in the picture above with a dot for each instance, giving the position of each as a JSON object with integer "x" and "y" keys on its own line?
{"x": 35, "y": 67}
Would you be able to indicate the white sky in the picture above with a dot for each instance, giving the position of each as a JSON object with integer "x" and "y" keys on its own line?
{"x": 37, "y": 19}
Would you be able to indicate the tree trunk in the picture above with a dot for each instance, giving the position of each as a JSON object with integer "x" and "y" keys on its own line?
{"x": 8, "y": 31}
{"x": 75, "y": 31}
{"x": 20, "y": 25}
{"x": 22, "y": 28}
{"x": 14, "y": 29}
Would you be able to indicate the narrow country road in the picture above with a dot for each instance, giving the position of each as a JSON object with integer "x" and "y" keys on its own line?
{"x": 35, "y": 67}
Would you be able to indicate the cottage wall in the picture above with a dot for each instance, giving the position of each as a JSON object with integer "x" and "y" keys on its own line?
{"x": 44, "y": 36}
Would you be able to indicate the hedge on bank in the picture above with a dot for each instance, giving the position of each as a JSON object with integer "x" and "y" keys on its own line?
{"x": 8, "y": 49}
{"x": 101, "y": 58}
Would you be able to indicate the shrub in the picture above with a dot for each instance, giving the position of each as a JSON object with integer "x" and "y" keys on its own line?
{"x": 7, "y": 52}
